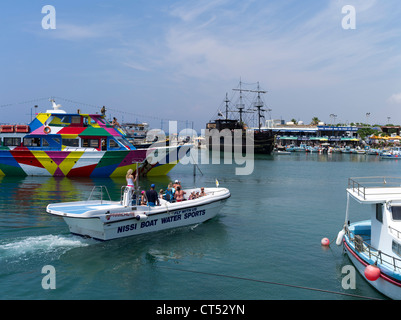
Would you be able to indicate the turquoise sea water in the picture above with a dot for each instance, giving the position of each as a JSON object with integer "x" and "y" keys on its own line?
{"x": 270, "y": 231}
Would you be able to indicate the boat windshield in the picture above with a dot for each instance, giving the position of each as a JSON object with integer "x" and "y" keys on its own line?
{"x": 124, "y": 142}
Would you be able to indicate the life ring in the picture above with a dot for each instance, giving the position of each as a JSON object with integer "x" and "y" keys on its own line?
{"x": 47, "y": 130}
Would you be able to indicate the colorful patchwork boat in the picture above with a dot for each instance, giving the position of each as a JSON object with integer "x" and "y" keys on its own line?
{"x": 57, "y": 143}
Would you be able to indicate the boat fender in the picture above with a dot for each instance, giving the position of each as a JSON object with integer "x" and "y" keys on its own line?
{"x": 47, "y": 130}
{"x": 340, "y": 237}
{"x": 372, "y": 272}
{"x": 141, "y": 216}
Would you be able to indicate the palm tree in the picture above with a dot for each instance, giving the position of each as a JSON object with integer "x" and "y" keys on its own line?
{"x": 315, "y": 121}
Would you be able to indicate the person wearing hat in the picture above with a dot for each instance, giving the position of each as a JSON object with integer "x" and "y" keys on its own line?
{"x": 176, "y": 184}
{"x": 152, "y": 196}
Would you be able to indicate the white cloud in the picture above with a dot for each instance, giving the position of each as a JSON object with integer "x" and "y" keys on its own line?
{"x": 310, "y": 50}
{"x": 395, "y": 98}
{"x": 75, "y": 32}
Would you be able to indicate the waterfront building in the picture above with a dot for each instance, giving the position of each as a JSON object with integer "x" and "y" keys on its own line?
{"x": 290, "y": 133}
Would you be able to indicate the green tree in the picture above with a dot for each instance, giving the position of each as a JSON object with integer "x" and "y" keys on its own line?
{"x": 364, "y": 132}
{"x": 315, "y": 121}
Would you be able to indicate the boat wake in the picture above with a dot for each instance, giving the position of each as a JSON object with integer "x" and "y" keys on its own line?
{"x": 25, "y": 248}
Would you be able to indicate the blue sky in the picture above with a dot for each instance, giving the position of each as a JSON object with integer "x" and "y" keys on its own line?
{"x": 160, "y": 59}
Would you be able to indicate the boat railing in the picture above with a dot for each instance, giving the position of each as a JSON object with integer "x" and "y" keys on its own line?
{"x": 360, "y": 185}
{"x": 395, "y": 231}
{"x": 381, "y": 257}
{"x": 134, "y": 198}
{"x": 100, "y": 193}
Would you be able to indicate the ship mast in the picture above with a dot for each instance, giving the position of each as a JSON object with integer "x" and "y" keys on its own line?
{"x": 226, "y": 101}
{"x": 258, "y": 104}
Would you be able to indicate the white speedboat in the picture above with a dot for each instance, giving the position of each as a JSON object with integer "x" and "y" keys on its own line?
{"x": 374, "y": 245}
{"x": 105, "y": 219}
{"x": 393, "y": 153}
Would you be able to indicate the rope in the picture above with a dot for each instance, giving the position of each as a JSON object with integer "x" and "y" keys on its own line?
{"x": 270, "y": 282}
{"x": 88, "y": 105}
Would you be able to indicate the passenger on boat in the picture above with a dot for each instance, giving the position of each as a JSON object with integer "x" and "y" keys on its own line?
{"x": 115, "y": 122}
{"x": 143, "y": 198}
{"x": 176, "y": 184}
{"x": 152, "y": 196}
{"x": 130, "y": 178}
{"x": 202, "y": 192}
{"x": 192, "y": 196}
{"x": 179, "y": 194}
{"x": 161, "y": 194}
{"x": 169, "y": 196}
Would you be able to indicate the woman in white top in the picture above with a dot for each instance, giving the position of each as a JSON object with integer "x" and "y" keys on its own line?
{"x": 130, "y": 178}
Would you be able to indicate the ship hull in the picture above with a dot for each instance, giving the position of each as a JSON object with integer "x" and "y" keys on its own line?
{"x": 25, "y": 162}
{"x": 261, "y": 143}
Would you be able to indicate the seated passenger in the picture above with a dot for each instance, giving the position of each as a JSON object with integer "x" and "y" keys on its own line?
{"x": 143, "y": 198}
{"x": 179, "y": 194}
{"x": 161, "y": 195}
{"x": 169, "y": 196}
{"x": 192, "y": 196}
{"x": 202, "y": 192}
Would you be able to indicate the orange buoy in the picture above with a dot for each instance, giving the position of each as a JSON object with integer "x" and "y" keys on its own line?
{"x": 372, "y": 272}
{"x": 325, "y": 242}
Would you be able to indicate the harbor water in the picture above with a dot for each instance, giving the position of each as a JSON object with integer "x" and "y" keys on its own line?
{"x": 265, "y": 244}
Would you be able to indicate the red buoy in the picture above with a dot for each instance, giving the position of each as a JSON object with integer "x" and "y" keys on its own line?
{"x": 372, "y": 272}
{"x": 325, "y": 242}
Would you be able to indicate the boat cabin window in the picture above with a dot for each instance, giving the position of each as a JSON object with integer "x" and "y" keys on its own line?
{"x": 113, "y": 144}
{"x": 90, "y": 143}
{"x": 396, "y": 212}
{"x": 123, "y": 142}
{"x": 75, "y": 119}
{"x": 45, "y": 143}
{"x": 396, "y": 247}
{"x": 32, "y": 142}
{"x": 379, "y": 212}
{"x": 11, "y": 142}
{"x": 71, "y": 142}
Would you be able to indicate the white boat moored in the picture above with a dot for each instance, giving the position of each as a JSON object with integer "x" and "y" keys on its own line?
{"x": 375, "y": 243}
{"x": 106, "y": 219}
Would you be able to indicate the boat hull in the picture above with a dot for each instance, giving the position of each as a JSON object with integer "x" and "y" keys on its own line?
{"x": 83, "y": 163}
{"x": 390, "y": 156}
{"x": 95, "y": 228}
{"x": 117, "y": 221}
{"x": 387, "y": 283}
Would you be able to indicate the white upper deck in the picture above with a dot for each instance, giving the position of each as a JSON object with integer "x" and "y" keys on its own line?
{"x": 375, "y": 189}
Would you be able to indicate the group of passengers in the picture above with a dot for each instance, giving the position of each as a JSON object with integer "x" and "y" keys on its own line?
{"x": 174, "y": 192}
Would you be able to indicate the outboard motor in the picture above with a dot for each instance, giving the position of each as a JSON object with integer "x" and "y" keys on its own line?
{"x": 127, "y": 198}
